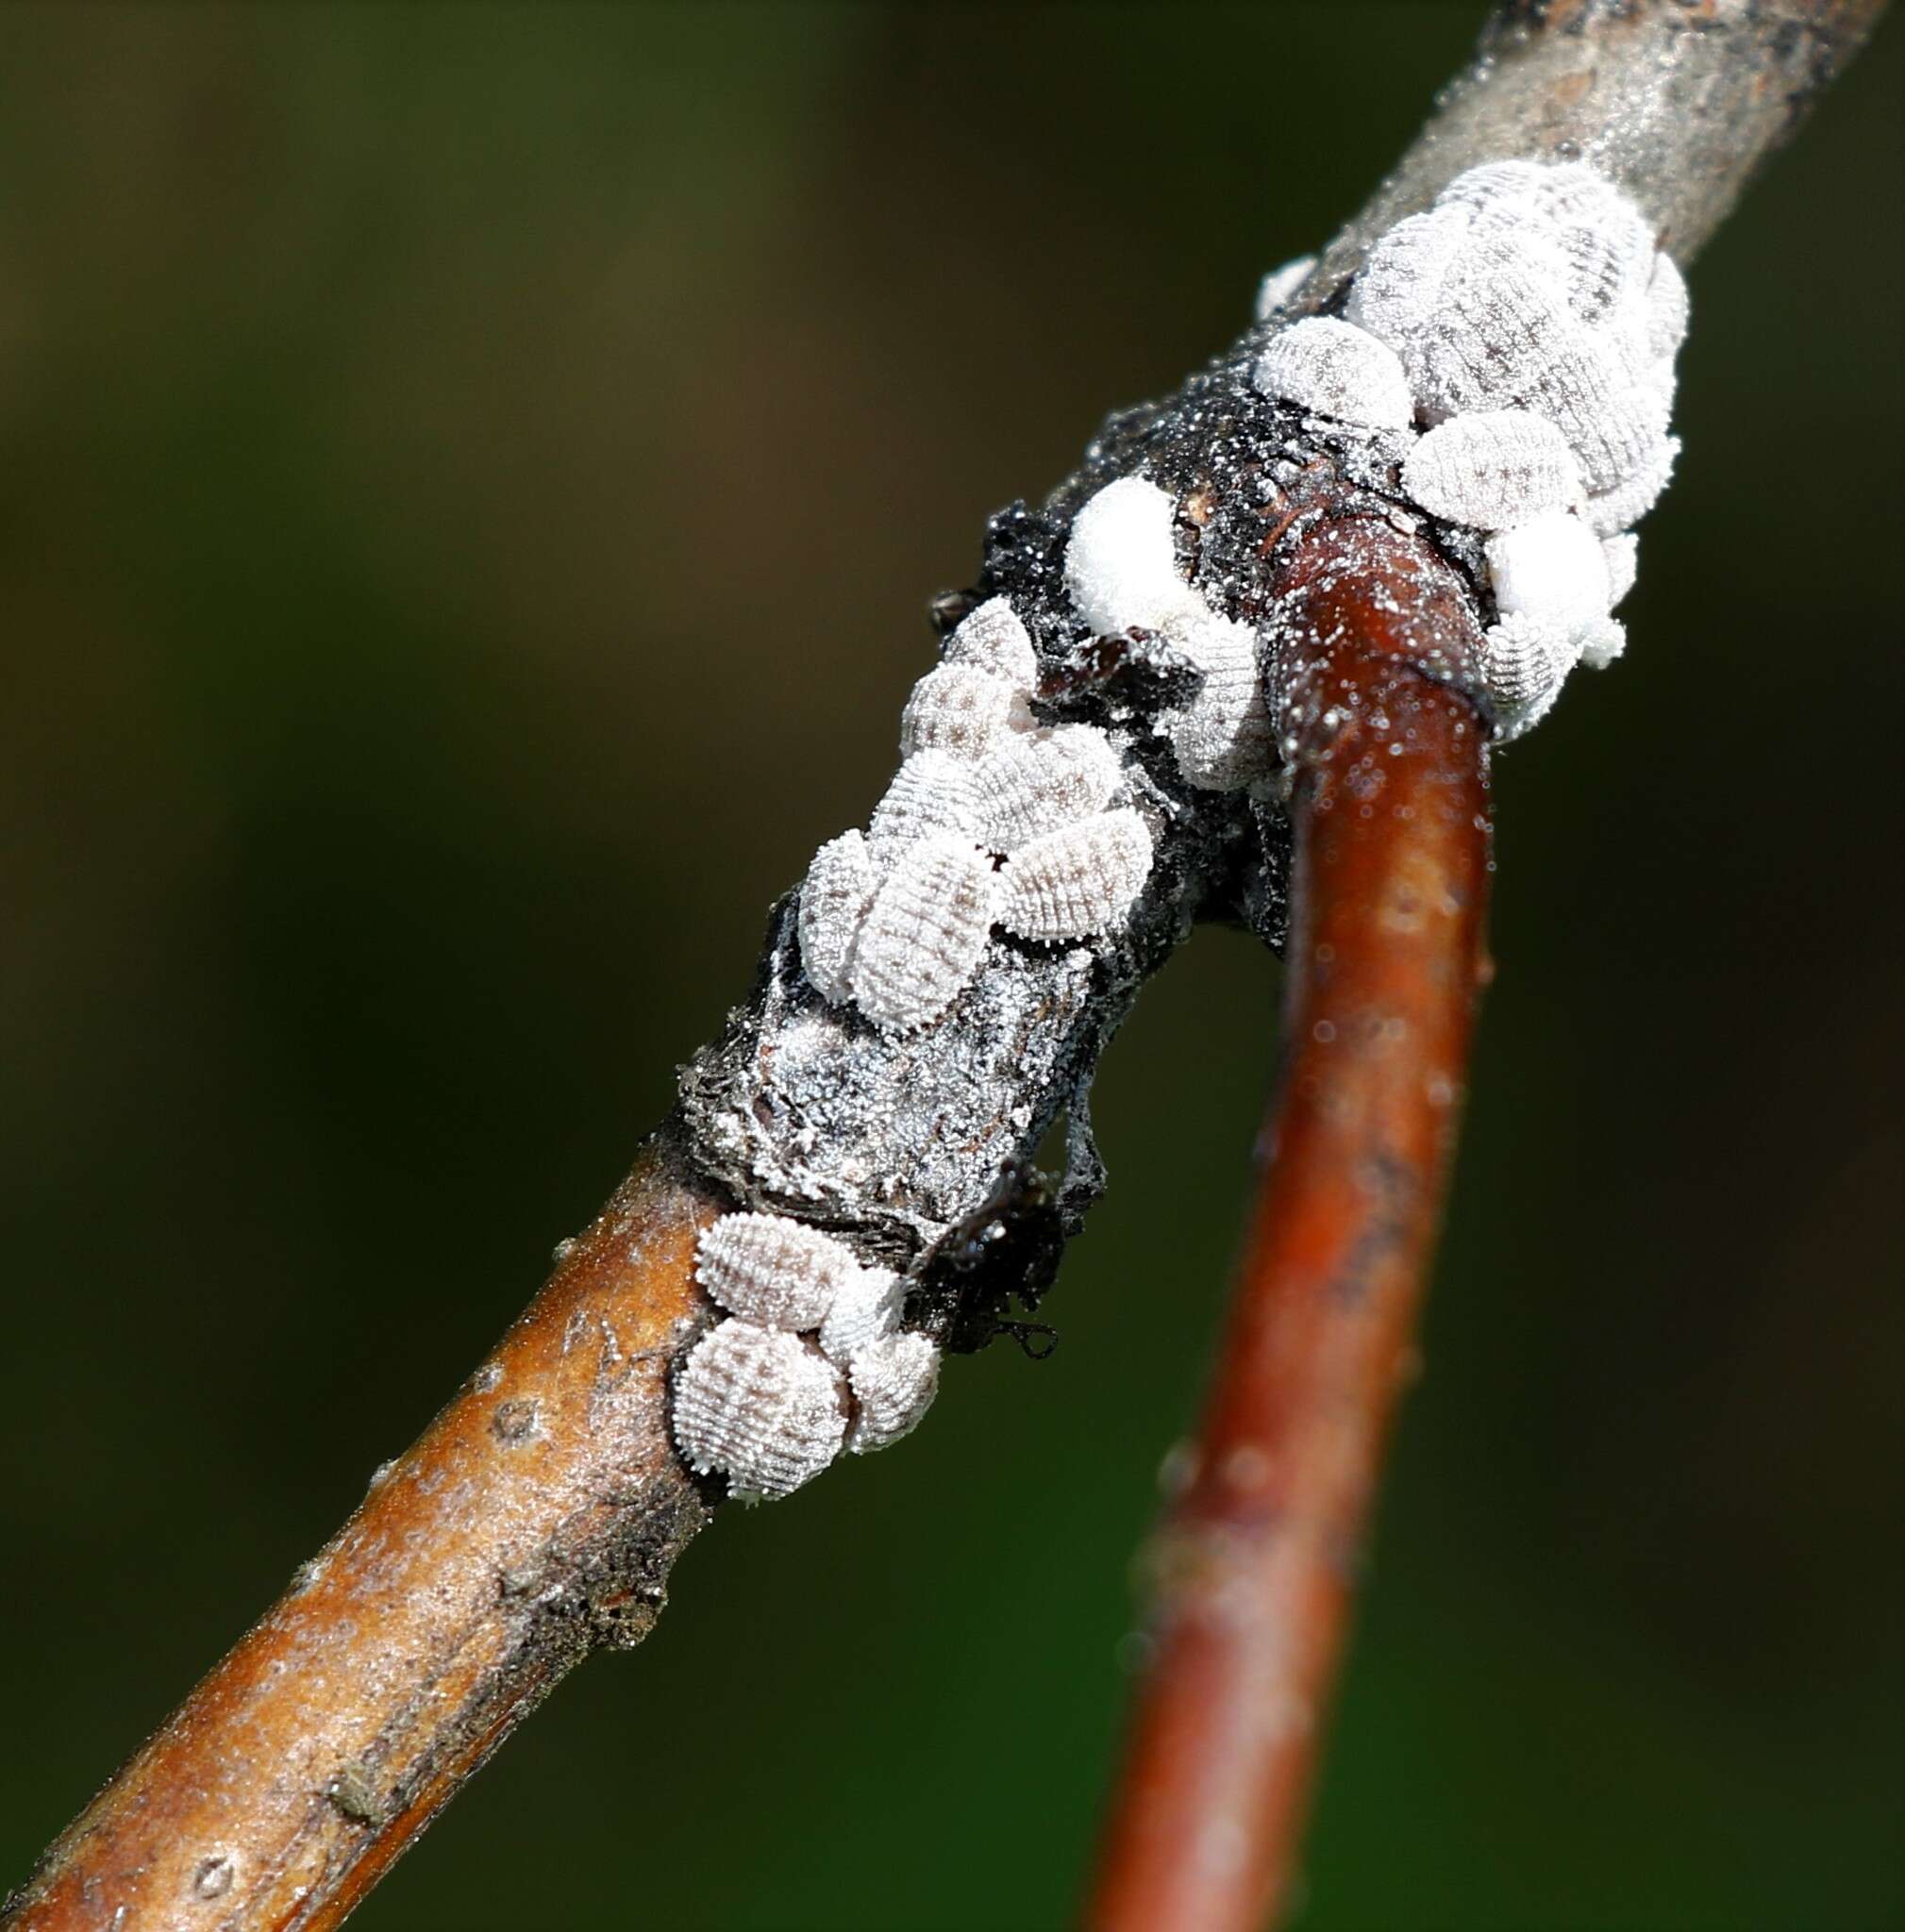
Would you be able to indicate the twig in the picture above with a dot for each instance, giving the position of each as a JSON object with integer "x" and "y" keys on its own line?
{"x": 539, "y": 1514}
{"x": 1253, "y": 1566}
{"x": 1678, "y": 101}
{"x": 536, "y": 1518}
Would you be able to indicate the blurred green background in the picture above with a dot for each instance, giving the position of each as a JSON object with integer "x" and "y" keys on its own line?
{"x": 471, "y": 478}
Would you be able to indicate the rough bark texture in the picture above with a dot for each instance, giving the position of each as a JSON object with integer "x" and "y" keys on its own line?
{"x": 539, "y": 1515}
{"x": 535, "y": 1518}
{"x": 1678, "y": 101}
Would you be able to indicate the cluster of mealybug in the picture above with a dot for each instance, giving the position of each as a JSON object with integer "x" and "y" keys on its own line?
{"x": 1121, "y": 569}
{"x": 993, "y": 818}
{"x": 1511, "y": 353}
{"x": 810, "y": 1358}
{"x": 1527, "y": 325}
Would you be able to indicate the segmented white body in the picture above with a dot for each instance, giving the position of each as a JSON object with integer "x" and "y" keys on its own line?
{"x": 1081, "y": 881}
{"x": 1523, "y": 664}
{"x": 958, "y": 708}
{"x": 994, "y": 639}
{"x": 777, "y": 1272}
{"x": 761, "y": 1406}
{"x": 810, "y": 1358}
{"x": 1537, "y": 325}
{"x": 1492, "y": 470}
{"x": 894, "y": 1381}
{"x": 1221, "y": 737}
{"x": 933, "y": 791}
{"x": 1534, "y": 285}
{"x": 898, "y": 923}
{"x": 868, "y": 1307}
{"x": 1033, "y": 786}
{"x": 1609, "y": 511}
{"x": 925, "y": 932}
{"x": 1335, "y": 369}
{"x": 833, "y": 902}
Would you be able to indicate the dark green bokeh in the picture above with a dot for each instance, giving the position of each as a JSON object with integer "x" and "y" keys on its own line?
{"x": 471, "y": 482}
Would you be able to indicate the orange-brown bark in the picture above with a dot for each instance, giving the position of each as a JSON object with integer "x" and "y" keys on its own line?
{"x": 1253, "y": 1566}
{"x": 536, "y": 1517}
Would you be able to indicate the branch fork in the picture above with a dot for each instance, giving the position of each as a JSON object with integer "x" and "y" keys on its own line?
{"x": 538, "y": 1517}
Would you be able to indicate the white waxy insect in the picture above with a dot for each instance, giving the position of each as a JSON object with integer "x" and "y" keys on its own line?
{"x": 1602, "y": 236}
{"x": 1660, "y": 377}
{"x": 1121, "y": 561}
{"x": 894, "y": 1380}
{"x": 1666, "y": 310}
{"x": 1622, "y": 556}
{"x": 1552, "y": 570}
{"x": 833, "y": 902}
{"x": 1079, "y": 881}
{"x": 1610, "y": 423}
{"x": 933, "y": 791}
{"x": 993, "y": 638}
{"x": 1522, "y": 664}
{"x": 1476, "y": 310}
{"x": 925, "y": 932}
{"x": 1395, "y": 292}
{"x": 1602, "y": 641}
{"x": 1608, "y": 266}
{"x": 1030, "y": 786}
{"x": 1558, "y": 197}
{"x": 1121, "y": 568}
{"x": 1220, "y": 747}
{"x": 1275, "y": 290}
{"x": 1567, "y": 223}
{"x": 1222, "y": 739}
{"x": 958, "y": 708}
{"x": 867, "y": 1307}
{"x": 761, "y": 1406}
{"x": 1502, "y": 332}
{"x": 1492, "y": 470}
{"x": 1575, "y": 194}
{"x": 1495, "y": 183}
{"x": 772, "y": 1271}
{"x": 1332, "y": 368}
{"x": 1613, "y": 511}
{"x": 1535, "y": 287}
{"x": 1533, "y": 290}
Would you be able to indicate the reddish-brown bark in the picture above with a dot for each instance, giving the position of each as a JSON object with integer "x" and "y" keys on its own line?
{"x": 1253, "y": 1566}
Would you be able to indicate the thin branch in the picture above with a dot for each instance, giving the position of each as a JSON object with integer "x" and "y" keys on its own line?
{"x": 538, "y": 1517}
{"x": 1253, "y": 1566}
{"x": 535, "y": 1518}
{"x": 1677, "y": 101}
